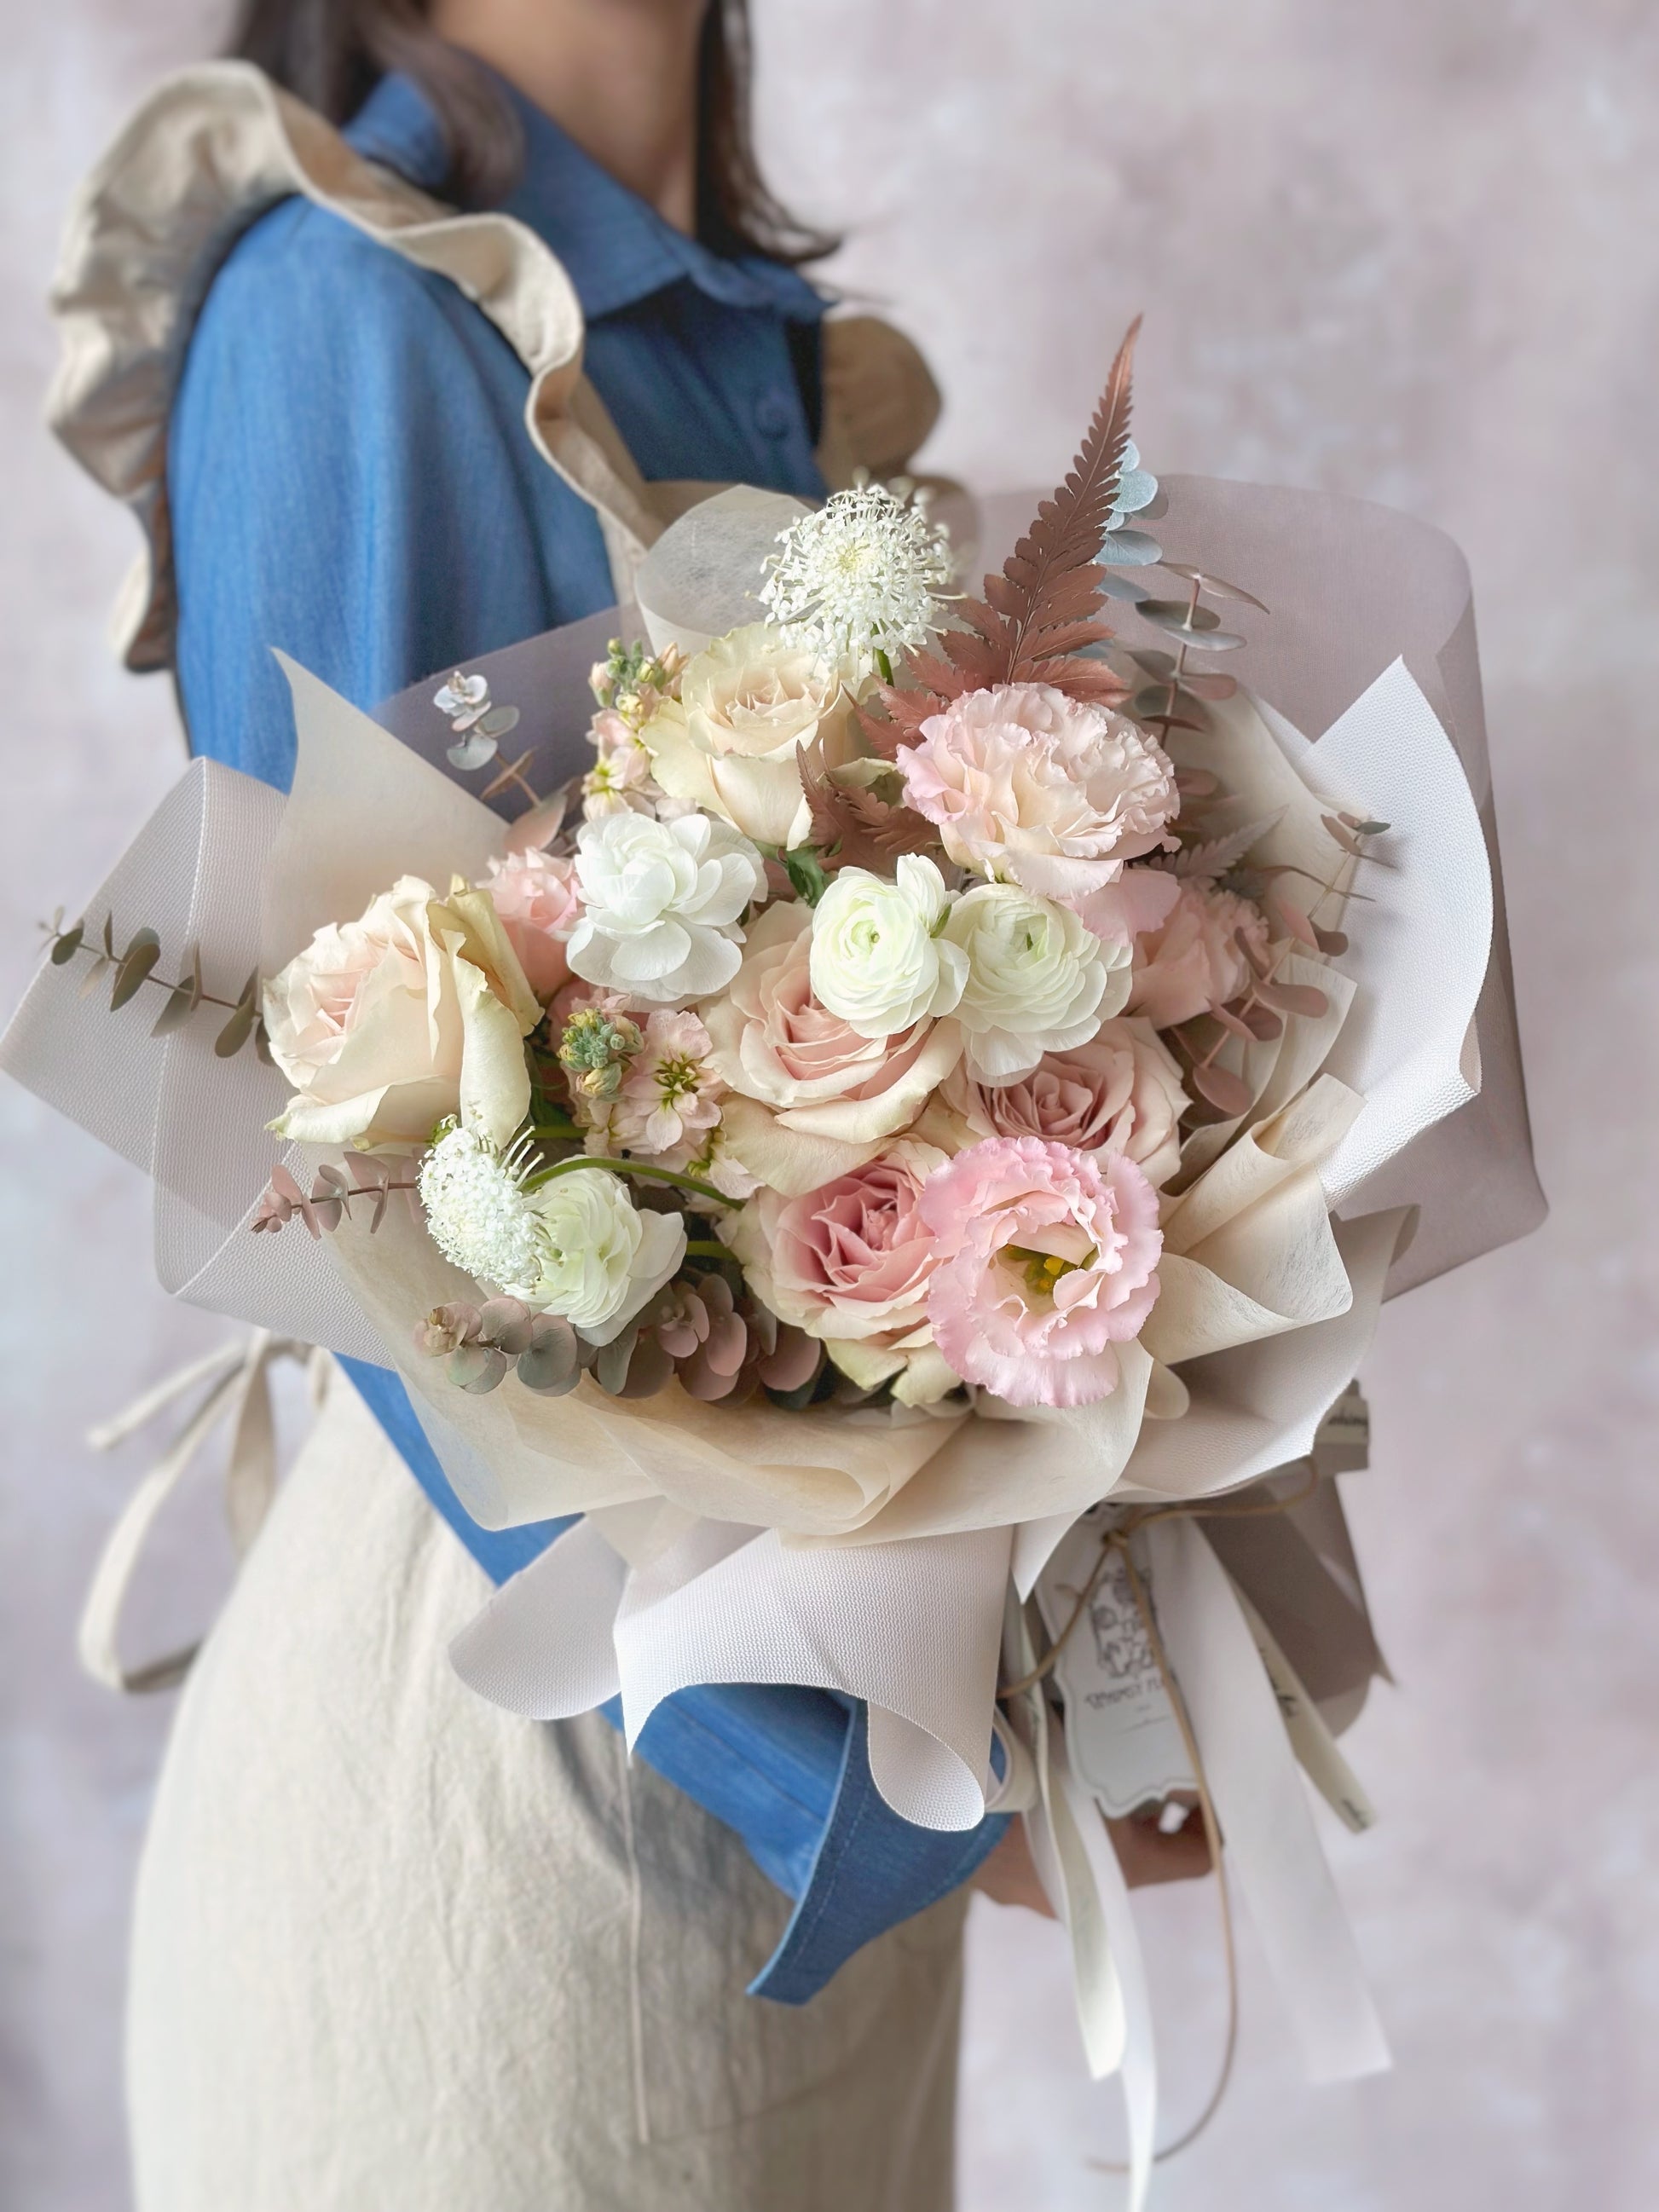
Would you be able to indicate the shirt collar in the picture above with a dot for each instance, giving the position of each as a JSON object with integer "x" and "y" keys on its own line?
{"x": 616, "y": 248}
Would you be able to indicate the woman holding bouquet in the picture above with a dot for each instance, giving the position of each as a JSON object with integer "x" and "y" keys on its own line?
{"x": 393, "y": 1947}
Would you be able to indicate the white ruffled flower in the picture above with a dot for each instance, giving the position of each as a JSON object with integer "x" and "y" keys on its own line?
{"x": 878, "y": 962}
{"x": 1038, "y": 980}
{"x": 663, "y": 900}
{"x": 864, "y": 572}
{"x": 578, "y": 1246}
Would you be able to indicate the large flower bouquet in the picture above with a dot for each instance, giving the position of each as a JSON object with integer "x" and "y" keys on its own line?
{"x": 877, "y": 1134}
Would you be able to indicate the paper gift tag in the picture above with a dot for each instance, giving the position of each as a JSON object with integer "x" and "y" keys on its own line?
{"x": 1121, "y": 1730}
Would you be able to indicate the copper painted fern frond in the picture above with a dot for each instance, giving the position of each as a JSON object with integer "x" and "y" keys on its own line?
{"x": 1038, "y": 615}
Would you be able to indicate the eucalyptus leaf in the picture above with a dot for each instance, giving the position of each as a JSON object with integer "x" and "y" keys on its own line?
{"x": 135, "y": 963}
{"x": 471, "y": 751}
{"x": 175, "y": 1009}
{"x": 1129, "y": 549}
{"x": 68, "y": 945}
{"x": 1121, "y": 588}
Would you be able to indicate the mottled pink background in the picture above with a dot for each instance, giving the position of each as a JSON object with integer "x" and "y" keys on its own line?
{"x": 1407, "y": 250}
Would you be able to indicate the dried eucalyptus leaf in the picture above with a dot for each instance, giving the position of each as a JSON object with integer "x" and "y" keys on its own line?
{"x": 477, "y": 1367}
{"x": 109, "y": 937}
{"x": 648, "y": 1370}
{"x": 1210, "y": 687}
{"x": 507, "y": 1322}
{"x": 236, "y": 1034}
{"x": 1332, "y": 941}
{"x": 471, "y": 751}
{"x": 135, "y": 963}
{"x": 1121, "y": 588}
{"x": 612, "y": 1361}
{"x": 1217, "y": 586}
{"x": 175, "y": 1009}
{"x": 95, "y": 975}
{"x": 1294, "y": 999}
{"x": 68, "y": 945}
{"x": 552, "y": 1364}
{"x": 498, "y": 721}
{"x": 1227, "y": 1092}
{"x": 1154, "y": 662}
{"x": 1129, "y": 549}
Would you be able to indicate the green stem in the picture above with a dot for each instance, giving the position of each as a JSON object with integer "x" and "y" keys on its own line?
{"x": 707, "y": 1248}
{"x": 630, "y": 1168}
{"x": 560, "y": 1132}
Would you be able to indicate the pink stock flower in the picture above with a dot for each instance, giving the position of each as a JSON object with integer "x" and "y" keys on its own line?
{"x": 1046, "y": 1258}
{"x": 1193, "y": 962}
{"x": 1121, "y": 1092}
{"x": 1031, "y": 787}
{"x": 670, "y": 1097}
{"x": 540, "y": 903}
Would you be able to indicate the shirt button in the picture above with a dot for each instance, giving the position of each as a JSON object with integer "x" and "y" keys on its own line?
{"x": 774, "y": 416}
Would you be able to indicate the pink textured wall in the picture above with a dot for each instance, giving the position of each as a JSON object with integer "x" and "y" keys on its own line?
{"x": 1406, "y": 251}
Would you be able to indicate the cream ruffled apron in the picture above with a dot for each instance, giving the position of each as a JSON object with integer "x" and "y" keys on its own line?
{"x": 393, "y": 1949}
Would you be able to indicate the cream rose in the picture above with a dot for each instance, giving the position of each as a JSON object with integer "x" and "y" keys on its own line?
{"x": 1038, "y": 980}
{"x": 878, "y": 960}
{"x": 729, "y": 742}
{"x": 774, "y": 1042}
{"x": 1120, "y": 1092}
{"x": 386, "y": 1025}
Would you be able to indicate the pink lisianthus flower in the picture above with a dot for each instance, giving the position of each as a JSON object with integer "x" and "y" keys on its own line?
{"x": 1120, "y": 1092}
{"x": 540, "y": 901}
{"x": 1193, "y": 962}
{"x": 1047, "y": 1259}
{"x": 1030, "y": 786}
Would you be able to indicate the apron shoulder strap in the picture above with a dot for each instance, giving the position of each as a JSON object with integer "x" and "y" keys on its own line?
{"x": 204, "y": 155}
{"x": 202, "y": 159}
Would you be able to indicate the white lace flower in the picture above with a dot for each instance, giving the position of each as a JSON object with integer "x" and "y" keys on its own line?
{"x": 878, "y": 962}
{"x": 476, "y": 1208}
{"x": 578, "y": 1246}
{"x": 1039, "y": 980}
{"x": 862, "y": 574}
{"x": 663, "y": 900}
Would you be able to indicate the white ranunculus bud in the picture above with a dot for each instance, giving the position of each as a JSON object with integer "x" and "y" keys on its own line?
{"x": 576, "y": 1246}
{"x": 877, "y": 961}
{"x": 662, "y": 903}
{"x": 1038, "y": 980}
{"x": 600, "y": 1260}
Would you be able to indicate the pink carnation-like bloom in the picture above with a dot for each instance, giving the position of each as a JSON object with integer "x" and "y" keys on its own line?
{"x": 1048, "y": 1258}
{"x": 1193, "y": 962}
{"x": 540, "y": 903}
{"x": 1121, "y": 1093}
{"x": 1031, "y": 787}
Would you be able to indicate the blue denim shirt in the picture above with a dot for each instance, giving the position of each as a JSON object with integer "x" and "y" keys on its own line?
{"x": 350, "y": 478}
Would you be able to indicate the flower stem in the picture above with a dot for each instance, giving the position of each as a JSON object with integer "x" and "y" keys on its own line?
{"x": 629, "y": 1168}
{"x": 707, "y": 1248}
{"x": 562, "y": 1131}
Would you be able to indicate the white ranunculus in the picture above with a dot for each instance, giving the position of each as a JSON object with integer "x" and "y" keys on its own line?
{"x": 878, "y": 960}
{"x": 728, "y": 742}
{"x": 599, "y": 1258}
{"x": 662, "y": 904}
{"x": 1038, "y": 980}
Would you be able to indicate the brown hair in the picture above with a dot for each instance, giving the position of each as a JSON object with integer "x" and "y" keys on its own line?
{"x": 332, "y": 54}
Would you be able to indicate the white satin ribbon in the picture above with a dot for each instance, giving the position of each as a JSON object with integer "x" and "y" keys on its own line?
{"x": 1256, "y": 1787}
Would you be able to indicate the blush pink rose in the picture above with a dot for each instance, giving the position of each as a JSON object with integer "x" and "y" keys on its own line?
{"x": 1030, "y": 786}
{"x": 1120, "y": 1092}
{"x": 540, "y": 903}
{"x": 773, "y": 1043}
{"x": 852, "y": 1260}
{"x": 1193, "y": 962}
{"x": 1047, "y": 1259}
